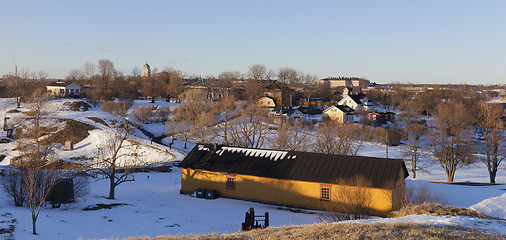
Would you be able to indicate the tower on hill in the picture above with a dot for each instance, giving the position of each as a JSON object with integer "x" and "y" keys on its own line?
{"x": 146, "y": 71}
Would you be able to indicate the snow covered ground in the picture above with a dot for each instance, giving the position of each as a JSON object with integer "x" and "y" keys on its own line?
{"x": 153, "y": 205}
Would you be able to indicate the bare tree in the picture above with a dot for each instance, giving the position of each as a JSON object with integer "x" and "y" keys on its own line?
{"x": 38, "y": 105}
{"x": 225, "y": 78}
{"x": 175, "y": 86}
{"x": 291, "y": 137}
{"x": 353, "y": 197}
{"x": 12, "y": 184}
{"x": 107, "y": 72}
{"x": 75, "y": 76}
{"x": 451, "y": 137}
{"x": 42, "y": 75}
{"x": 116, "y": 156}
{"x": 257, "y": 72}
{"x": 204, "y": 131}
{"x": 308, "y": 79}
{"x": 289, "y": 76}
{"x": 249, "y": 129}
{"x": 16, "y": 88}
{"x": 226, "y": 107}
{"x": 414, "y": 136}
{"x": 489, "y": 119}
{"x": 194, "y": 118}
{"x": 409, "y": 113}
{"x": 37, "y": 179}
{"x": 136, "y": 72}
{"x": 339, "y": 139}
{"x": 252, "y": 91}
{"x": 89, "y": 72}
{"x": 181, "y": 129}
{"x": 153, "y": 86}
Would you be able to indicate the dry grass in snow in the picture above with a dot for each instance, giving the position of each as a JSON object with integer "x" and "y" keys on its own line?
{"x": 382, "y": 231}
{"x": 435, "y": 209}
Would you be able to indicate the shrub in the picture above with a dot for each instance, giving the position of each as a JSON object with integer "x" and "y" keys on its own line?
{"x": 436, "y": 209}
{"x": 143, "y": 114}
{"x": 394, "y": 136}
{"x": 421, "y": 195}
{"x": 353, "y": 197}
{"x": 115, "y": 108}
{"x": 78, "y": 106}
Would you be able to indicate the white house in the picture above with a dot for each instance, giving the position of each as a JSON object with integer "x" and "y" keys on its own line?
{"x": 62, "y": 89}
{"x": 357, "y": 102}
{"x": 294, "y": 114}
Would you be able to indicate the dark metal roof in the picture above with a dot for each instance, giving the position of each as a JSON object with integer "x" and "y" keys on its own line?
{"x": 292, "y": 165}
{"x": 57, "y": 84}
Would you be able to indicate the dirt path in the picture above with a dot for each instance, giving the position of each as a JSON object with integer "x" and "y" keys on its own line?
{"x": 152, "y": 137}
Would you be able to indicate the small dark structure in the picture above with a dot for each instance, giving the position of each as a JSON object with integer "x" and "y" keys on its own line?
{"x": 200, "y": 193}
{"x": 382, "y": 117}
{"x": 205, "y": 193}
{"x": 62, "y": 192}
{"x": 69, "y": 146}
{"x": 8, "y": 127}
{"x": 211, "y": 194}
{"x": 251, "y": 221}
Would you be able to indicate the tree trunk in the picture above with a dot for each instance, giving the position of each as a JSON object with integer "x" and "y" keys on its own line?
{"x": 492, "y": 175}
{"x": 413, "y": 169}
{"x": 112, "y": 185}
{"x": 111, "y": 188}
{"x": 34, "y": 229}
{"x": 450, "y": 176}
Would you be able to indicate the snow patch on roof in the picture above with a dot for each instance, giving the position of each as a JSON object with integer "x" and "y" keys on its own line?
{"x": 203, "y": 148}
{"x": 272, "y": 154}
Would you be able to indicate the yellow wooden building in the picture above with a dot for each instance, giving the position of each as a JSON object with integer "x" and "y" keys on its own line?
{"x": 338, "y": 113}
{"x": 298, "y": 179}
{"x": 266, "y": 102}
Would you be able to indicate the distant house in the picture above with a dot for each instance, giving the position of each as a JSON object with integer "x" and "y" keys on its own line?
{"x": 339, "y": 113}
{"x": 294, "y": 114}
{"x": 382, "y": 117}
{"x": 299, "y": 179}
{"x": 62, "y": 89}
{"x": 282, "y": 94}
{"x": 210, "y": 93}
{"x": 357, "y": 102}
{"x": 354, "y": 82}
{"x": 266, "y": 102}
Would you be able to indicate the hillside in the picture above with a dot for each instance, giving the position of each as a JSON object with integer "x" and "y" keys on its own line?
{"x": 380, "y": 231}
{"x": 152, "y": 206}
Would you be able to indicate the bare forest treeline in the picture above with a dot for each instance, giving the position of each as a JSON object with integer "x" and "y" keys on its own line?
{"x": 223, "y": 109}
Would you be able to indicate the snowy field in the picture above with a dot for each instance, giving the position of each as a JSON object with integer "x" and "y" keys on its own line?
{"x": 152, "y": 205}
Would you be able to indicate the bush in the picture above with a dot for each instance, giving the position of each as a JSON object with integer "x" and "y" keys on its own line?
{"x": 11, "y": 181}
{"x": 394, "y": 136}
{"x": 421, "y": 195}
{"x": 143, "y": 114}
{"x": 78, "y": 106}
{"x": 354, "y": 199}
{"x": 115, "y": 108}
{"x": 149, "y": 114}
{"x": 435, "y": 209}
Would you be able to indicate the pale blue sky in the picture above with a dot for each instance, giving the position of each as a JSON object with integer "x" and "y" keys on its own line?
{"x": 429, "y": 41}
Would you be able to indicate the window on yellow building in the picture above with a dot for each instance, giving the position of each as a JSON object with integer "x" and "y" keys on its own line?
{"x": 325, "y": 193}
{"x": 230, "y": 182}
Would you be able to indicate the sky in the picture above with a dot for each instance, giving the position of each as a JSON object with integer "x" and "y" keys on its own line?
{"x": 430, "y": 41}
